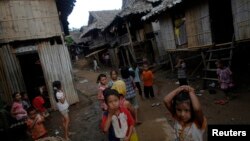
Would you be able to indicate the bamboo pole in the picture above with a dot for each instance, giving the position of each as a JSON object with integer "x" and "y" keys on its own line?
{"x": 131, "y": 42}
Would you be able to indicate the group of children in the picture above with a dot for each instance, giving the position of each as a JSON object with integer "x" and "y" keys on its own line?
{"x": 34, "y": 114}
{"x": 120, "y": 112}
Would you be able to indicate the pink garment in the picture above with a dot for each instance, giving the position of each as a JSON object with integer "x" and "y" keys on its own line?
{"x": 225, "y": 78}
{"x": 100, "y": 97}
{"x": 17, "y": 107}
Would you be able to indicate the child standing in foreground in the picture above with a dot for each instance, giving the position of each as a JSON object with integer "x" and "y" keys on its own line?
{"x": 35, "y": 124}
{"x": 147, "y": 77}
{"x": 185, "y": 108}
{"x": 225, "y": 80}
{"x": 62, "y": 106}
{"x": 116, "y": 121}
{"x": 102, "y": 85}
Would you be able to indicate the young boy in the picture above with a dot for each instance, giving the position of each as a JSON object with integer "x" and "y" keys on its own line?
{"x": 147, "y": 77}
{"x": 181, "y": 72}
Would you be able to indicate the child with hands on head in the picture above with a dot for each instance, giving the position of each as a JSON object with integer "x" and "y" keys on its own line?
{"x": 185, "y": 108}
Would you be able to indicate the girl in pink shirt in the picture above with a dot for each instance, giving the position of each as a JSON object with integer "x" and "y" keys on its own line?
{"x": 17, "y": 110}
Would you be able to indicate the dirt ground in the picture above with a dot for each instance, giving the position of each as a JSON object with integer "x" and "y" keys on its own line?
{"x": 156, "y": 126}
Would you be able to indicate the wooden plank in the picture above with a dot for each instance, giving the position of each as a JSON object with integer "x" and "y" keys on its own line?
{"x": 220, "y": 49}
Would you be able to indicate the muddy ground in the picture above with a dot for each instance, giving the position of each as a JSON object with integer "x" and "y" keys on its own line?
{"x": 156, "y": 126}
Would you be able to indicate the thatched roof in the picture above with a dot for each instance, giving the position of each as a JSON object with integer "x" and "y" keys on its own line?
{"x": 136, "y": 7}
{"x": 161, "y": 8}
{"x": 153, "y": 1}
{"x": 75, "y": 35}
{"x": 99, "y": 20}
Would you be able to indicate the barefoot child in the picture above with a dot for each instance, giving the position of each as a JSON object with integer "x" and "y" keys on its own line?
{"x": 147, "y": 77}
{"x": 62, "y": 106}
{"x": 185, "y": 108}
{"x": 35, "y": 124}
{"x": 116, "y": 121}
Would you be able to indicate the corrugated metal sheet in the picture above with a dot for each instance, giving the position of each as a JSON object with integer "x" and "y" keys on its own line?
{"x": 241, "y": 18}
{"x": 10, "y": 74}
{"x": 167, "y": 32}
{"x": 56, "y": 65}
{"x": 198, "y": 25}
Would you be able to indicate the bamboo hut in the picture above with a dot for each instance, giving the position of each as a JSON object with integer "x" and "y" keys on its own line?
{"x": 32, "y": 49}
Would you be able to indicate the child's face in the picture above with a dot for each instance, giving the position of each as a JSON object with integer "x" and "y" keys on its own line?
{"x": 113, "y": 75}
{"x": 32, "y": 114}
{"x": 18, "y": 97}
{"x": 103, "y": 80}
{"x": 145, "y": 67}
{"x": 183, "y": 111}
{"x": 113, "y": 102}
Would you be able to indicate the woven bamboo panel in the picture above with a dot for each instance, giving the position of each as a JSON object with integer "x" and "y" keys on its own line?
{"x": 56, "y": 65}
{"x": 241, "y": 18}
{"x": 28, "y": 19}
{"x": 11, "y": 79}
{"x": 167, "y": 32}
{"x": 198, "y": 25}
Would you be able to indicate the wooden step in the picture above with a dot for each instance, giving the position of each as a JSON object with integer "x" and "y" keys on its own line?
{"x": 214, "y": 79}
{"x": 220, "y": 49}
{"x": 223, "y": 59}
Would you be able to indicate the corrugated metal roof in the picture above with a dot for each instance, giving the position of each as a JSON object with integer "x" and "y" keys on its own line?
{"x": 161, "y": 8}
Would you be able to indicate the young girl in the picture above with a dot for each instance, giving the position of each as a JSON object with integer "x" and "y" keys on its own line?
{"x": 117, "y": 121}
{"x": 225, "y": 80}
{"x": 102, "y": 85}
{"x": 185, "y": 108}
{"x": 35, "y": 124}
{"x": 62, "y": 106}
{"x": 114, "y": 78}
{"x": 17, "y": 110}
{"x": 25, "y": 100}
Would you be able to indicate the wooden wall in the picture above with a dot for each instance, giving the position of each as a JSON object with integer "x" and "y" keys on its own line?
{"x": 56, "y": 65}
{"x": 241, "y": 18}
{"x": 11, "y": 79}
{"x": 167, "y": 32}
{"x": 198, "y": 24}
{"x": 28, "y": 19}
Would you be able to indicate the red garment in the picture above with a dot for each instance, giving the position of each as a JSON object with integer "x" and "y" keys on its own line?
{"x": 38, "y": 103}
{"x": 147, "y": 78}
{"x": 130, "y": 120}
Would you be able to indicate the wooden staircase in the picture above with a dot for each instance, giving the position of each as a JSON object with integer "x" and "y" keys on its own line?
{"x": 223, "y": 52}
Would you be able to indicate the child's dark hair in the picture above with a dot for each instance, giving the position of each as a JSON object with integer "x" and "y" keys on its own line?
{"x": 56, "y": 86}
{"x": 125, "y": 73}
{"x": 100, "y": 76}
{"x": 113, "y": 71}
{"x": 182, "y": 97}
{"x": 30, "y": 109}
{"x": 108, "y": 92}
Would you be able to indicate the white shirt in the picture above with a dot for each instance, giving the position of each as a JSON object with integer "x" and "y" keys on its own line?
{"x": 61, "y": 106}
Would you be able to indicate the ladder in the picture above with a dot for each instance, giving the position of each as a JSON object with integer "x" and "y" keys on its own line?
{"x": 223, "y": 52}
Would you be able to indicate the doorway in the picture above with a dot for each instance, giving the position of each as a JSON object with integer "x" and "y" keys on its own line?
{"x": 32, "y": 73}
{"x": 221, "y": 20}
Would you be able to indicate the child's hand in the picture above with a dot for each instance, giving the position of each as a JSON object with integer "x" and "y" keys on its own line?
{"x": 111, "y": 112}
{"x": 187, "y": 88}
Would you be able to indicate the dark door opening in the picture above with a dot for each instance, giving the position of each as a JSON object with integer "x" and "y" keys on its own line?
{"x": 221, "y": 20}
{"x": 32, "y": 73}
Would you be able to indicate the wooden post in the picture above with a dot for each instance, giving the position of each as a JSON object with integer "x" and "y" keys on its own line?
{"x": 130, "y": 41}
{"x": 171, "y": 62}
{"x": 203, "y": 59}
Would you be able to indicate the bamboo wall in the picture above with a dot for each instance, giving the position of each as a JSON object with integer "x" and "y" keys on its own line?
{"x": 11, "y": 79}
{"x": 241, "y": 18}
{"x": 56, "y": 65}
{"x": 167, "y": 32}
{"x": 198, "y": 25}
{"x": 28, "y": 19}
